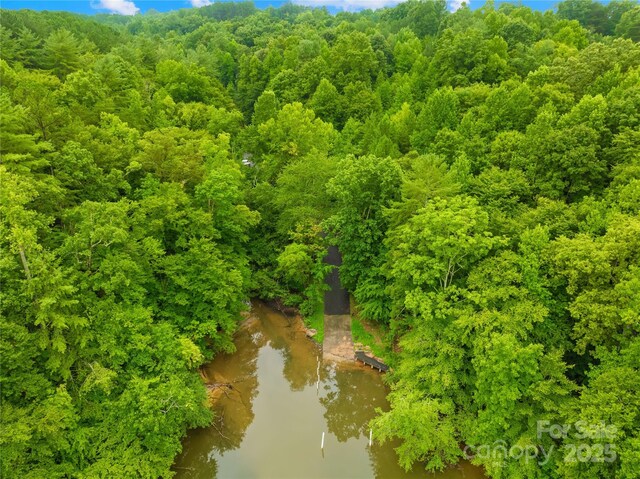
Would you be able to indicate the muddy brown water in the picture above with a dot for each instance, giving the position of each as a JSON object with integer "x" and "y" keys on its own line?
{"x": 270, "y": 423}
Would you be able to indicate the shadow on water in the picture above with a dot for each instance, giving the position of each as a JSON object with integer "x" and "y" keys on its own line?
{"x": 352, "y": 395}
{"x": 269, "y": 424}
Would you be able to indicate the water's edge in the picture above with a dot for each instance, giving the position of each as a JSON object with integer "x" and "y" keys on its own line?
{"x": 275, "y": 397}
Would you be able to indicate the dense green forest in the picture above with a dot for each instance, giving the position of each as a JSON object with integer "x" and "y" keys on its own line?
{"x": 479, "y": 171}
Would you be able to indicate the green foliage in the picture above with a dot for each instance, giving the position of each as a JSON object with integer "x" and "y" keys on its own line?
{"x": 301, "y": 192}
{"x": 479, "y": 171}
{"x": 62, "y": 52}
{"x": 361, "y": 335}
{"x": 362, "y": 188}
{"x": 302, "y": 267}
{"x": 440, "y": 111}
{"x": 431, "y": 439}
{"x": 294, "y": 133}
{"x": 188, "y": 84}
{"x": 315, "y": 320}
{"x": 629, "y": 26}
{"x": 438, "y": 244}
{"x": 265, "y": 108}
{"x": 327, "y": 103}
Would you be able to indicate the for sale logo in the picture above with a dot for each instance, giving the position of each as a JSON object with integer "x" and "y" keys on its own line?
{"x": 581, "y": 442}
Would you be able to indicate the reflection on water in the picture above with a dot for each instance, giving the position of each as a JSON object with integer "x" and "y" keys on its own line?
{"x": 269, "y": 423}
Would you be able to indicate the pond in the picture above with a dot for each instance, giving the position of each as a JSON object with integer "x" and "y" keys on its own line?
{"x": 269, "y": 423}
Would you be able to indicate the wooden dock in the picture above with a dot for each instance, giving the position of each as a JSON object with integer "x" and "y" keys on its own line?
{"x": 373, "y": 362}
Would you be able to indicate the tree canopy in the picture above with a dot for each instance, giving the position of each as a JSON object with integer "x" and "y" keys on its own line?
{"x": 479, "y": 171}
